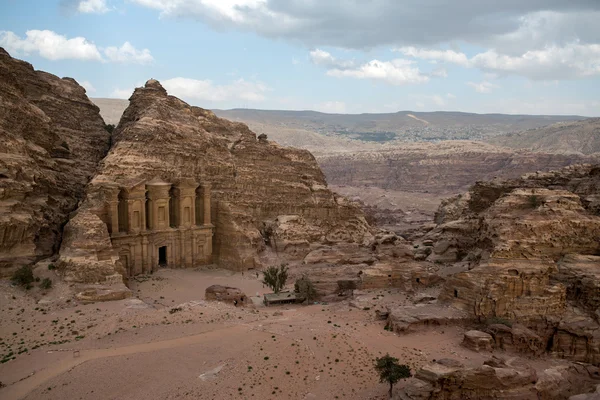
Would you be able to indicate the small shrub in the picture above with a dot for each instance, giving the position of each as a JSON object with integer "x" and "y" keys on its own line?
{"x": 46, "y": 283}
{"x": 51, "y": 267}
{"x": 23, "y": 276}
{"x": 534, "y": 201}
{"x": 305, "y": 288}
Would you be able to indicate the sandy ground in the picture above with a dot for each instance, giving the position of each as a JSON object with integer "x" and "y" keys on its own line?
{"x": 139, "y": 349}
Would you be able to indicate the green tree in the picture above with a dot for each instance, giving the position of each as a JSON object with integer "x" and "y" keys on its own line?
{"x": 391, "y": 371}
{"x": 275, "y": 277}
{"x": 23, "y": 276}
{"x": 305, "y": 288}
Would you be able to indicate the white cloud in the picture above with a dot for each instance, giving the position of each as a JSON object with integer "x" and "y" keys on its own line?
{"x": 50, "y": 45}
{"x": 450, "y": 56}
{"x": 128, "y": 54}
{"x": 450, "y": 96}
{"x": 333, "y": 107}
{"x": 483, "y": 87}
{"x": 205, "y": 90}
{"x": 323, "y": 58}
{"x": 571, "y": 61}
{"x": 395, "y": 72}
{"x": 93, "y": 7}
{"x": 89, "y": 88}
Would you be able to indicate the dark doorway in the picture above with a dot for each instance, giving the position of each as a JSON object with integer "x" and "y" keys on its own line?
{"x": 162, "y": 256}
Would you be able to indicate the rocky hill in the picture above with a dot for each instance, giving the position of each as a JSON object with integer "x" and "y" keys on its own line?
{"x": 52, "y": 140}
{"x": 532, "y": 251}
{"x": 256, "y": 186}
{"x": 389, "y": 127}
{"x": 574, "y": 137}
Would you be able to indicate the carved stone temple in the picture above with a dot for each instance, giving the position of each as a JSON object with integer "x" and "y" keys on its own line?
{"x": 156, "y": 223}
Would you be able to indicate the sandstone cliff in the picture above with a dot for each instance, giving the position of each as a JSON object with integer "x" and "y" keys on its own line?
{"x": 533, "y": 246}
{"x": 52, "y": 139}
{"x": 261, "y": 193}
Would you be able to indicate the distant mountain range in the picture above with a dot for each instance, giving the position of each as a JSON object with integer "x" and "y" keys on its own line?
{"x": 320, "y": 132}
{"x": 564, "y": 137}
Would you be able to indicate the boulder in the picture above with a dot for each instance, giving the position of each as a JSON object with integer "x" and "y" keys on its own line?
{"x": 478, "y": 341}
{"x": 227, "y": 294}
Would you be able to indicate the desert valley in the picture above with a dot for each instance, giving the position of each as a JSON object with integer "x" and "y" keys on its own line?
{"x": 280, "y": 200}
{"x": 476, "y": 265}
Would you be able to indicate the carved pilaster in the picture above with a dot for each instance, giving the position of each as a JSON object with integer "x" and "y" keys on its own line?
{"x": 206, "y": 202}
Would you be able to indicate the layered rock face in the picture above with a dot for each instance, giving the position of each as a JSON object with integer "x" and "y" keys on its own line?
{"x": 52, "y": 140}
{"x": 260, "y": 193}
{"x": 498, "y": 379}
{"x": 533, "y": 245}
{"x": 446, "y": 167}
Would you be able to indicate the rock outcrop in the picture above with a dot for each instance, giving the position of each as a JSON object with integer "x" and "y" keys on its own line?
{"x": 227, "y": 294}
{"x": 478, "y": 341}
{"x": 261, "y": 194}
{"x": 533, "y": 245}
{"x": 52, "y": 140}
{"x": 498, "y": 379}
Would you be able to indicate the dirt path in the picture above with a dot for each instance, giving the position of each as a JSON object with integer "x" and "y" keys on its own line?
{"x": 22, "y": 388}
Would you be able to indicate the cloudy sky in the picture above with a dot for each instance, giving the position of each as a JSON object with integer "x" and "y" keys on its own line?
{"x": 347, "y": 56}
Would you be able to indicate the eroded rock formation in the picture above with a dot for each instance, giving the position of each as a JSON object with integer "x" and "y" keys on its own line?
{"x": 52, "y": 140}
{"x": 533, "y": 246}
{"x": 261, "y": 194}
{"x": 499, "y": 379}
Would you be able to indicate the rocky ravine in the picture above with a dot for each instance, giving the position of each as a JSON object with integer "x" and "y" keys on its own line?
{"x": 52, "y": 140}
{"x": 531, "y": 250}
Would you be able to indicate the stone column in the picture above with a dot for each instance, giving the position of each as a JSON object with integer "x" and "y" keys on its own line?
{"x": 114, "y": 216}
{"x": 150, "y": 215}
{"x": 143, "y": 212}
{"x": 145, "y": 258}
{"x": 206, "y": 201}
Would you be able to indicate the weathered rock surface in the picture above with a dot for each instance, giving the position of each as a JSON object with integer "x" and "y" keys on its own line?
{"x": 262, "y": 194}
{"x": 516, "y": 339}
{"x": 498, "y": 379}
{"x": 414, "y": 318}
{"x": 226, "y": 294}
{"x": 52, "y": 140}
{"x": 588, "y": 396}
{"x": 478, "y": 341}
{"x": 533, "y": 246}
